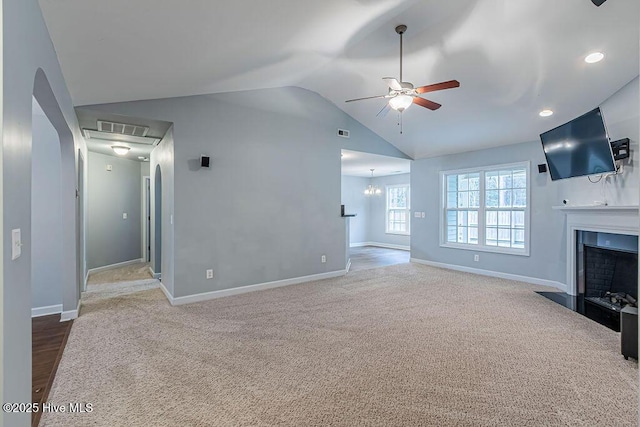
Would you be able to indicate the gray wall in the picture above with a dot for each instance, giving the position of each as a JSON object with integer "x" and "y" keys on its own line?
{"x": 110, "y": 238}
{"x": 547, "y": 258}
{"x": 356, "y": 202}
{"x": 163, "y": 156}
{"x": 378, "y": 212}
{"x": 30, "y": 65}
{"x": 269, "y": 207}
{"x": 145, "y": 169}
{"x": 46, "y": 255}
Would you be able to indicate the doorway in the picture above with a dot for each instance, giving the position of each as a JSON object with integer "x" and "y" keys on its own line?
{"x": 376, "y": 196}
{"x": 82, "y": 265}
{"x": 157, "y": 259}
{"x": 146, "y": 222}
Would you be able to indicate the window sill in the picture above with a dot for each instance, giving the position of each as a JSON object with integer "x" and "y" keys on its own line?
{"x": 397, "y": 234}
{"x": 495, "y": 250}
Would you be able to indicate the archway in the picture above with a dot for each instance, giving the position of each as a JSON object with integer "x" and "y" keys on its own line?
{"x": 157, "y": 259}
{"x": 69, "y": 221}
{"x": 51, "y": 241}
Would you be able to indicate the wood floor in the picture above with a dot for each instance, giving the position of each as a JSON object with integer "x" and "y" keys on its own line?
{"x": 49, "y": 337}
{"x": 366, "y": 257}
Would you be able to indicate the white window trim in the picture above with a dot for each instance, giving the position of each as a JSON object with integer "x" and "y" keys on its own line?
{"x": 481, "y": 217}
{"x": 386, "y": 210}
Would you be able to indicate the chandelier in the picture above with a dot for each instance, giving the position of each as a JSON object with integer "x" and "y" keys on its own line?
{"x": 372, "y": 189}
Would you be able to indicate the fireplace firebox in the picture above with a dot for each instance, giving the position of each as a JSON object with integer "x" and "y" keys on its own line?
{"x": 607, "y": 276}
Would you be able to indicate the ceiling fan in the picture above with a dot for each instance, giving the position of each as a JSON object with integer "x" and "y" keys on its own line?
{"x": 402, "y": 94}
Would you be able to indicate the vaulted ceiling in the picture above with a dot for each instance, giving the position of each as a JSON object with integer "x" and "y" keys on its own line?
{"x": 513, "y": 58}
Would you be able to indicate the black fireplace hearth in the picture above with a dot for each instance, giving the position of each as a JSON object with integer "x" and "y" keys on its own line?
{"x": 607, "y": 279}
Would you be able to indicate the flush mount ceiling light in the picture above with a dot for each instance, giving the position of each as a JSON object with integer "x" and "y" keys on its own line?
{"x": 546, "y": 113}
{"x": 120, "y": 150}
{"x": 372, "y": 189}
{"x": 594, "y": 57}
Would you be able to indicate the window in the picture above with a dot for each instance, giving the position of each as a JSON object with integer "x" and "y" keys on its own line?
{"x": 487, "y": 209}
{"x": 398, "y": 206}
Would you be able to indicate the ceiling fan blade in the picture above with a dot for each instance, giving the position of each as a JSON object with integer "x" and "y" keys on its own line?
{"x": 438, "y": 86}
{"x": 384, "y": 111}
{"x": 393, "y": 83}
{"x": 368, "y": 97}
{"x": 426, "y": 103}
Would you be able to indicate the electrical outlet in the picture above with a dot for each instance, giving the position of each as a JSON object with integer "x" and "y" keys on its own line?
{"x": 422, "y": 214}
{"x": 323, "y": 259}
{"x": 124, "y": 215}
{"x": 209, "y": 274}
{"x": 476, "y": 258}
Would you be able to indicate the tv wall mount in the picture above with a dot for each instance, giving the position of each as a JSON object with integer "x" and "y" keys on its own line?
{"x": 620, "y": 149}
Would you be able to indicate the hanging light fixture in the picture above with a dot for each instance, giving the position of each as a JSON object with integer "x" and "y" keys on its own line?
{"x": 372, "y": 189}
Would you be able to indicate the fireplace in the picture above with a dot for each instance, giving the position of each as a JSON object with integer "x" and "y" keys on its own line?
{"x": 611, "y": 277}
{"x": 601, "y": 262}
{"x": 607, "y": 273}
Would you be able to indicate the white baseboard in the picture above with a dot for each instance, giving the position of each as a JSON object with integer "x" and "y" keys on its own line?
{"x": 249, "y": 288}
{"x": 46, "y": 311}
{"x": 112, "y": 266}
{"x": 166, "y": 293}
{"x": 154, "y": 274}
{"x": 348, "y": 265}
{"x": 65, "y": 316}
{"x": 533, "y": 280}
{"x": 380, "y": 245}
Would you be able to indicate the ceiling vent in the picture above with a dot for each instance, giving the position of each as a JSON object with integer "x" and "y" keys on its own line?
{"x": 119, "y": 137}
{"x": 122, "y": 128}
{"x": 343, "y": 133}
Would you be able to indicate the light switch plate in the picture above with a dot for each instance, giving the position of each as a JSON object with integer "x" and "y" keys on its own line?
{"x": 109, "y": 168}
{"x": 16, "y": 244}
{"x": 124, "y": 215}
{"x": 416, "y": 214}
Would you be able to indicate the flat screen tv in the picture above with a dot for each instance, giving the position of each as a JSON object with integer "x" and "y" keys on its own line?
{"x": 578, "y": 148}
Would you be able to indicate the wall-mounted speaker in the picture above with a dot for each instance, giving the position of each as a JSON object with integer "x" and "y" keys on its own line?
{"x": 542, "y": 168}
{"x": 205, "y": 161}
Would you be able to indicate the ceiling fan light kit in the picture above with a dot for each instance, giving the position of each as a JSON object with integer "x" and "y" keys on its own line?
{"x": 401, "y": 95}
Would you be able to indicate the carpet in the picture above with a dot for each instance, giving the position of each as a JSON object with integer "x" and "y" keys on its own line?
{"x": 127, "y": 273}
{"x": 401, "y": 345}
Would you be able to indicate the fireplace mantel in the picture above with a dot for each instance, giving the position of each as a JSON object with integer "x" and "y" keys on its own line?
{"x": 597, "y": 208}
{"x": 598, "y": 218}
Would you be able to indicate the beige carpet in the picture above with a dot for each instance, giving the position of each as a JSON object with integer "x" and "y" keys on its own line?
{"x": 397, "y": 346}
{"x": 127, "y": 273}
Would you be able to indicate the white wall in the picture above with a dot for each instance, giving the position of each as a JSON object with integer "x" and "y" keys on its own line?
{"x": 46, "y": 252}
{"x": 356, "y": 202}
{"x": 547, "y": 258}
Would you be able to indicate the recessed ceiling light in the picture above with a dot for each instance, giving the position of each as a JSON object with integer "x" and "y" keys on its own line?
{"x": 594, "y": 57}
{"x": 546, "y": 113}
{"x": 120, "y": 150}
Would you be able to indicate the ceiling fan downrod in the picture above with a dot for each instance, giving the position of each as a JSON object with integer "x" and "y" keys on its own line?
{"x": 400, "y": 29}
